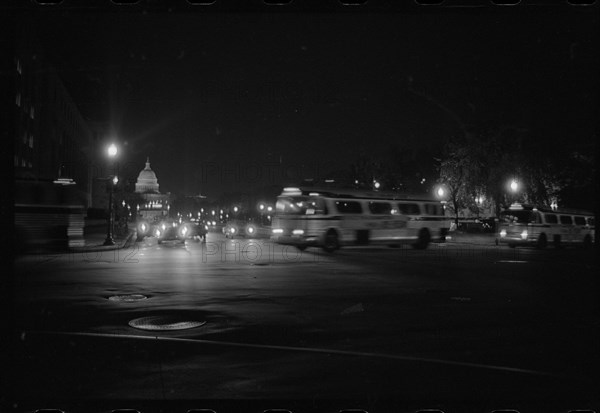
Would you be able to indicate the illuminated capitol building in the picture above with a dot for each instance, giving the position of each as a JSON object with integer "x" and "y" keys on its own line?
{"x": 153, "y": 204}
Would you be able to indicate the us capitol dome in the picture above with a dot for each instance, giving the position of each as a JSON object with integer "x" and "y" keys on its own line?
{"x": 147, "y": 181}
{"x": 153, "y": 205}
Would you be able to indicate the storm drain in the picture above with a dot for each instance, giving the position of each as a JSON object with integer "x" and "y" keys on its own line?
{"x": 164, "y": 323}
{"x": 127, "y": 297}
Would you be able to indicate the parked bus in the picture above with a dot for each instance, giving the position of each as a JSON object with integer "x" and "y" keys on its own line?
{"x": 330, "y": 219}
{"x": 528, "y": 225}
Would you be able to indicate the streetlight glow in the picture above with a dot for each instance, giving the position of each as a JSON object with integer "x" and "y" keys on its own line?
{"x": 440, "y": 192}
{"x": 112, "y": 150}
{"x": 514, "y": 185}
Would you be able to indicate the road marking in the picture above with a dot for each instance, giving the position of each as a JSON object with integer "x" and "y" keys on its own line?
{"x": 511, "y": 262}
{"x": 299, "y": 349}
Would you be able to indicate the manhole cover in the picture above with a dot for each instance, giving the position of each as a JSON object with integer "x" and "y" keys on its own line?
{"x": 164, "y": 323}
{"x": 127, "y": 297}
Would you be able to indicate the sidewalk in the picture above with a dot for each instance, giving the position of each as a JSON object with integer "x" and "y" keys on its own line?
{"x": 478, "y": 238}
{"x": 95, "y": 242}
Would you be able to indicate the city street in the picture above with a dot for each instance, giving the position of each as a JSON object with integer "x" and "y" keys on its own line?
{"x": 455, "y": 323}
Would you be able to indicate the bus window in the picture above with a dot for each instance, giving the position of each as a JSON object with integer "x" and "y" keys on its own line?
{"x": 580, "y": 221}
{"x": 551, "y": 219}
{"x": 348, "y": 207}
{"x": 408, "y": 209}
{"x": 380, "y": 208}
{"x": 590, "y": 221}
{"x": 434, "y": 209}
{"x": 566, "y": 220}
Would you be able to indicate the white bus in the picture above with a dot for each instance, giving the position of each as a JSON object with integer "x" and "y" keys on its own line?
{"x": 331, "y": 218}
{"x": 528, "y": 225}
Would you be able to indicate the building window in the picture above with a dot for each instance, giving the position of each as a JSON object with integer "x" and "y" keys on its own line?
{"x": 18, "y": 100}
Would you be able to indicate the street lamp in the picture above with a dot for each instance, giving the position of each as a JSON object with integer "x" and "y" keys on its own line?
{"x": 112, "y": 153}
{"x": 109, "y": 236}
{"x": 112, "y": 150}
{"x": 440, "y": 192}
{"x": 514, "y": 186}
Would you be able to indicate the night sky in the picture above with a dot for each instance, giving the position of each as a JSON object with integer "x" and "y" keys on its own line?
{"x": 315, "y": 91}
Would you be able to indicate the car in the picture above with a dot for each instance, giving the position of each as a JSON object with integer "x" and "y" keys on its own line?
{"x": 198, "y": 231}
{"x": 171, "y": 230}
{"x": 239, "y": 228}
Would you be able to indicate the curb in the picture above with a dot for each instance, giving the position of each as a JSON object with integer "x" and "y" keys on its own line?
{"x": 472, "y": 241}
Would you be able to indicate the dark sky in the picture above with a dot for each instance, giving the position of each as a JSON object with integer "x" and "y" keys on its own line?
{"x": 204, "y": 92}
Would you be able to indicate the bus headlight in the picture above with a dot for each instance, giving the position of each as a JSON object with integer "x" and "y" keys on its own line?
{"x": 277, "y": 231}
{"x": 524, "y": 234}
{"x": 298, "y": 232}
{"x": 503, "y": 233}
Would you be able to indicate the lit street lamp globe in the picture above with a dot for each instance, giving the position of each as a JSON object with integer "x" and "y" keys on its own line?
{"x": 440, "y": 192}
{"x": 112, "y": 150}
{"x": 514, "y": 186}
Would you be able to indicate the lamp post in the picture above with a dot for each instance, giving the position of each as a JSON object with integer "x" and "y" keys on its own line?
{"x": 109, "y": 233}
{"x": 514, "y": 187}
{"x": 112, "y": 151}
{"x": 261, "y": 209}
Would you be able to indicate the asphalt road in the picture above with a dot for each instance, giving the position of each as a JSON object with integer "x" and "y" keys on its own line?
{"x": 453, "y": 325}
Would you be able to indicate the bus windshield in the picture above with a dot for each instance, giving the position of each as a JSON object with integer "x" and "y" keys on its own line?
{"x": 299, "y": 205}
{"x": 517, "y": 217}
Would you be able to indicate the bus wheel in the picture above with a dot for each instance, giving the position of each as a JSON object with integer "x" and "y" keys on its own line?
{"x": 301, "y": 247}
{"x": 557, "y": 242}
{"x": 587, "y": 242}
{"x": 542, "y": 241}
{"x": 424, "y": 238}
{"x": 331, "y": 241}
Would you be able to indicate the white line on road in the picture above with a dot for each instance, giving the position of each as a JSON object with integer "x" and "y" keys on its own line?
{"x": 299, "y": 349}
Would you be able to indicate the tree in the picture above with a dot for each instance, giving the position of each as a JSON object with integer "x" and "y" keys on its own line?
{"x": 455, "y": 173}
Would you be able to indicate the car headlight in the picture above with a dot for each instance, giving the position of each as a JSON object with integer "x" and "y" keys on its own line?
{"x": 524, "y": 234}
{"x": 277, "y": 230}
{"x": 183, "y": 230}
{"x": 298, "y": 232}
{"x": 142, "y": 228}
{"x": 503, "y": 233}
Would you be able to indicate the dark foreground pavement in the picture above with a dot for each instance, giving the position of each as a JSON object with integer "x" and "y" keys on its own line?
{"x": 457, "y": 327}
